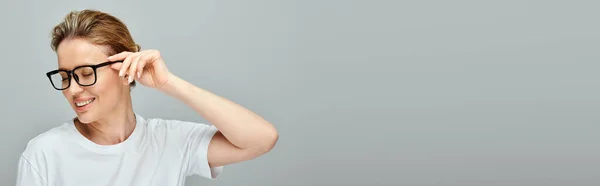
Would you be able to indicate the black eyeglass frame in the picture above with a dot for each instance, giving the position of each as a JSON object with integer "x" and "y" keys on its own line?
{"x": 71, "y": 74}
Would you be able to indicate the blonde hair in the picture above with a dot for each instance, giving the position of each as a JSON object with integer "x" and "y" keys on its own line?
{"x": 97, "y": 27}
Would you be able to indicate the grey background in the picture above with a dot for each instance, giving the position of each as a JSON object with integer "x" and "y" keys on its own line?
{"x": 413, "y": 93}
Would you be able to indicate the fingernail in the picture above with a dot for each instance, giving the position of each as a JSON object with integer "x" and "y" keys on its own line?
{"x": 139, "y": 74}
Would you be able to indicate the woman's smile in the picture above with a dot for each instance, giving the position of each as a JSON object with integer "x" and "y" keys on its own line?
{"x": 83, "y": 104}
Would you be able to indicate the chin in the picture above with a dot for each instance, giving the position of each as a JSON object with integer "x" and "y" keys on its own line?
{"x": 87, "y": 111}
{"x": 86, "y": 117}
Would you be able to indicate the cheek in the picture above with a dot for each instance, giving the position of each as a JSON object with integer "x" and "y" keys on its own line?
{"x": 108, "y": 88}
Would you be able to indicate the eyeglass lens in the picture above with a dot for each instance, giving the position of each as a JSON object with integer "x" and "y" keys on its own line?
{"x": 84, "y": 76}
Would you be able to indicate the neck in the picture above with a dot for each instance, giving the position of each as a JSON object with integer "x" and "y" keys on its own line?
{"x": 113, "y": 128}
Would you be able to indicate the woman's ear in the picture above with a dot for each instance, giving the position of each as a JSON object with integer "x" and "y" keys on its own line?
{"x": 125, "y": 79}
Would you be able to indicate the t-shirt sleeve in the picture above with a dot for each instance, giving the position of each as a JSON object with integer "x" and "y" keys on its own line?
{"x": 28, "y": 175}
{"x": 195, "y": 142}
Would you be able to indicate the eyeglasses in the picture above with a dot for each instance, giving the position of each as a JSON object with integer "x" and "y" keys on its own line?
{"x": 84, "y": 75}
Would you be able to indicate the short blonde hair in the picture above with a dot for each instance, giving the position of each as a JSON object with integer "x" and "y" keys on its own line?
{"x": 97, "y": 27}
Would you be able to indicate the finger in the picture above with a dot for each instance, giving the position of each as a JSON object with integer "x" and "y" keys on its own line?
{"x": 154, "y": 54}
{"x": 116, "y": 66}
{"x": 119, "y": 56}
{"x": 132, "y": 68}
{"x": 126, "y": 64}
{"x": 141, "y": 65}
{"x": 143, "y": 61}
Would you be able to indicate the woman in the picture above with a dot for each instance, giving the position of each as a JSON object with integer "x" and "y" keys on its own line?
{"x": 108, "y": 143}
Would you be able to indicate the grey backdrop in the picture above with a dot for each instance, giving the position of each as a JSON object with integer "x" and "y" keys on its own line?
{"x": 427, "y": 93}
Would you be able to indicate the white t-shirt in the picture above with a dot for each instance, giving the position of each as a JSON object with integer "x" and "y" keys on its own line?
{"x": 158, "y": 153}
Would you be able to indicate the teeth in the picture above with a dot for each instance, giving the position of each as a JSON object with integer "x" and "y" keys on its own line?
{"x": 80, "y": 104}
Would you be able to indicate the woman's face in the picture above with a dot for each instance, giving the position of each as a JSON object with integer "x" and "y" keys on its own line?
{"x": 90, "y": 103}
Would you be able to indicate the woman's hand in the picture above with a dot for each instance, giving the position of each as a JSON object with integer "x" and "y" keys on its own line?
{"x": 147, "y": 67}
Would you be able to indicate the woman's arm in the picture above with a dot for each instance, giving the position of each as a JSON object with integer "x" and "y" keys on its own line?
{"x": 243, "y": 135}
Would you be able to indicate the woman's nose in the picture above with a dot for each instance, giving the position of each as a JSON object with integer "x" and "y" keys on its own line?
{"x": 74, "y": 88}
